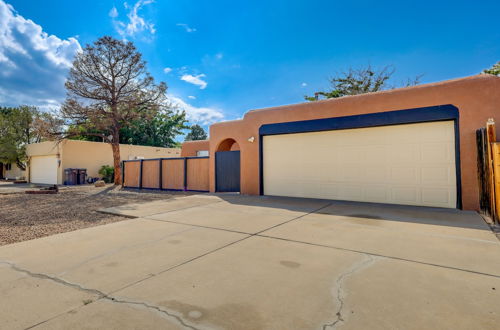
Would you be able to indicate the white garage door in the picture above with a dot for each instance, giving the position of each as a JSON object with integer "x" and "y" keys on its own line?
{"x": 410, "y": 164}
{"x": 44, "y": 169}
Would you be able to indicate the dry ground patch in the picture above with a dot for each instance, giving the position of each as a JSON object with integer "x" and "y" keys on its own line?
{"x": 24, "y": 217}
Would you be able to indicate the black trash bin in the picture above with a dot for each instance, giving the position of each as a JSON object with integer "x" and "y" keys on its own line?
{"x": 70, "y": 176}
{"x": 82, "y": 175}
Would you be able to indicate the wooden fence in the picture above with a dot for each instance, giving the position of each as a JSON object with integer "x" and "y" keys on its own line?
{"x": 187, "y": 173}
{"x": 488, "y": 165}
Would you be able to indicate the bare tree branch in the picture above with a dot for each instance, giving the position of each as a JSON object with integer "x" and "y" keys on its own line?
{"x": 108, "y": 88}
{"x": 360, "y": 81}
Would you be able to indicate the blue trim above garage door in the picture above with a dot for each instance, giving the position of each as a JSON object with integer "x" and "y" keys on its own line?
{"x": 398, "y": 117}
{"x": 409, "y": 116}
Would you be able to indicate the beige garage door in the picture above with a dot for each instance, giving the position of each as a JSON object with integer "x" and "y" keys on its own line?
{"x": 410, "y": 164}
{"x": 43, "y": 169}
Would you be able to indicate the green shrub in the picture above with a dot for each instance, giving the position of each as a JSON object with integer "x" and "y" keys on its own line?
{"x": 108, "y": 173}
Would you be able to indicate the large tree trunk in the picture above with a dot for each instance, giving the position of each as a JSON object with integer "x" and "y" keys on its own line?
{"x": 21, "y": 165}
{"x": 115, "y": 145}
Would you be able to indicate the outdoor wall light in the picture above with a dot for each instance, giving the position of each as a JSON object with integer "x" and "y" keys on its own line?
{"x": 251, "y": 139}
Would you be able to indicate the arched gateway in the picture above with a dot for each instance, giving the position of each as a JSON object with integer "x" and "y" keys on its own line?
{"x": 227, "y": 166}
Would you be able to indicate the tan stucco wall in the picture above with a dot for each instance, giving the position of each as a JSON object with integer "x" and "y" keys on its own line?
{"x": 190, "y": 148}
{"x": 43, "y": 148}
{"x": 93, "y": 155}
{"x": 14, "y": 173}
{"x": 476, "y": 97}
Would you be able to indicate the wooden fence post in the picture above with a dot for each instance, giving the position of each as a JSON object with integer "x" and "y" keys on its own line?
{"x": 160, "y": 166}
{"x": 496, "y": 178}
{"x": 140, "y": 175}
{"x": 491, "y": 138}
{"x": 482, "y": 172}
{"x": 185, "y": 173}
{"x": 123, "y": 174}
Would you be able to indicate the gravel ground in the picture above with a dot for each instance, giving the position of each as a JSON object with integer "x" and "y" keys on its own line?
{"x": 24, "y": 217}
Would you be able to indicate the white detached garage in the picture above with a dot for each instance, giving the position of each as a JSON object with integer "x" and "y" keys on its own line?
{"x": 398, "y": 163}
{"x": 44, "y": 169}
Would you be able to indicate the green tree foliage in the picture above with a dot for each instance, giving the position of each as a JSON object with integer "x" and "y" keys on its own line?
{"x": 20, "y": 126}
{"x": 359, "y": 81}
{"x": 85, "y": 132}
{"x": 197, "y": 133}
{"x": 494, "y": 70}
{"x": 160, "y": 131}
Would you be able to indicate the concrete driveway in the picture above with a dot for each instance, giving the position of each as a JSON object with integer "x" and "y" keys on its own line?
{"x": 235, "y": 262}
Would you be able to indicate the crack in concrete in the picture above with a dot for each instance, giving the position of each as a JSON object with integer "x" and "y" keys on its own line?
{"x": 53, "y": 278}
{"x": 107, "y": 297}
{"x": 339, "y": 292}
{"x": 98, "y": 293}
{"x": 153, "y": 307}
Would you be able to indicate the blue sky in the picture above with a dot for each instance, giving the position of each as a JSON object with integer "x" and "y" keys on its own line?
{"x": 222, "y": 58}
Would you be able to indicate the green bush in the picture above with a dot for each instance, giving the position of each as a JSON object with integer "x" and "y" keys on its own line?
{"x": 107, "y": 172}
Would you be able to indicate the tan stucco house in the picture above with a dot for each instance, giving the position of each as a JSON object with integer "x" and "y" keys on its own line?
{"x": 47, "y": 160}
{"x": 410, "y": 146}
{"x": 11, "y": 172}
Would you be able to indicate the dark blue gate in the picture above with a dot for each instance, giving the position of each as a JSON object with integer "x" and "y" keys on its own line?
{"x": 227, "y": 171}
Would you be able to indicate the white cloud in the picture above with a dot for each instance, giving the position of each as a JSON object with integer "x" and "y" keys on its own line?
{"x": 203, "y": 115}
{"x": 192, "y": 97}
{"x": 186, "y": 27}
{"x": 113, "y": 12}
{"x": 195, "y": 80}
{"x": 33, "y": 64}
{"x": 167, "y": 70}
{"x": 219, "y": 56}
{"x": 136, "y": 23}
{"x": 303, "y": 84}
